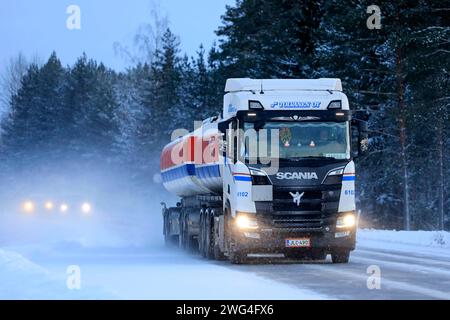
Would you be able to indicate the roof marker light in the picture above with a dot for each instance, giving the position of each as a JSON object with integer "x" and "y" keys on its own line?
{"x": 337, "y": 104}
{"x": 255, "y": 105}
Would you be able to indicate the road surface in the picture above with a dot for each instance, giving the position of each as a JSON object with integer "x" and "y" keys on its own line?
{"x": 156, "y": 273}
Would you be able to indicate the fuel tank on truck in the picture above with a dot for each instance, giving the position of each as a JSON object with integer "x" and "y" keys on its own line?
{"x": 190, "y": 164}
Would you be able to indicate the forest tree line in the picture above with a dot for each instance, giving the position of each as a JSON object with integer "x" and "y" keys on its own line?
{"x": 399, "y": 75}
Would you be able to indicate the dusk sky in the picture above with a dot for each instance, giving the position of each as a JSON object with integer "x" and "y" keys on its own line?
{"x": 37, "y": 27}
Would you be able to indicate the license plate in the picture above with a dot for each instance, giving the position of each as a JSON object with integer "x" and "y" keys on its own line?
{"x": 298, "y": 243}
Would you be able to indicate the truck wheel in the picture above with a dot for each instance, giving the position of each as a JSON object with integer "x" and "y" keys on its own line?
{"x": 219, "y": 255}
{"x": 341, "y": 256}
{"x": 238, "y": 257}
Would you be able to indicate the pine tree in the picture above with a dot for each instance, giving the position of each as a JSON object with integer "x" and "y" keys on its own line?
{"x": 269, "y": 38}
{"x": 91, "y": 98}
{"x": 34, "y": 122}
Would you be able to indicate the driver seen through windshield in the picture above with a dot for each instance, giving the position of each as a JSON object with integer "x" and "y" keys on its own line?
{"x": 299, "y": 139}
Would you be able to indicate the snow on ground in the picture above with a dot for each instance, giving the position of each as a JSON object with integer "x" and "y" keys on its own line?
{"x": 22, "y": 279}
{"x": 151, "y": 273}
{"x": 422, "y": 242}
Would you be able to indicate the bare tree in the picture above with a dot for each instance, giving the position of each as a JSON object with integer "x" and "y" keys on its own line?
{"x": 147, "y": 39}
{"x": 10, "y": 80}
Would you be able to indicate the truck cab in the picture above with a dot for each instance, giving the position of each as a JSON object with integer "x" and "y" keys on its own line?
{"x": 288, "y": 174}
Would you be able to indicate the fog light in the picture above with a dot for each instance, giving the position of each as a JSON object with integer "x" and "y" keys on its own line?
{"x": 245, "y": 222}
{"x": 347, "y": 221}
{"x": 252, "y": 235}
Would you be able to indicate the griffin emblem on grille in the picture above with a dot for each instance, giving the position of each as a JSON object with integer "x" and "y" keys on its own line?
{"x": 297, "y": 197}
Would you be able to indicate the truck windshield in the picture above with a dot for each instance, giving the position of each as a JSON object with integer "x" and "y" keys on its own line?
{"x": 297, "y": 140}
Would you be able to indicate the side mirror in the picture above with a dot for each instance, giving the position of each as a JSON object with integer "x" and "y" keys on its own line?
{"x": 223, "y": 127}
{"x": 360, "y": 138}
{"x": 363, "y": 139}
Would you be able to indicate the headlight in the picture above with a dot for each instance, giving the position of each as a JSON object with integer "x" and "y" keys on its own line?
{"x": 337, "y": 172}
{"x": 49, "y": 205}
{"x": 86, "y": 208}
{"x": 259, "y": 177}
{"x": 347, "y": 221}
{"x": 245, "y": 222}
{"x": 28, "y": 207}
{"x": 334, "y": 176}
{"x": 64, "y": 208}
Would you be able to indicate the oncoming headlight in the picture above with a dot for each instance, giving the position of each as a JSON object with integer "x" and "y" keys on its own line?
{"x": 28, "y": 207}
{"x": 64, "y": 208}
{"x": 245, "y": 222}
{"x": 49, "y": 205}
{"x": 86, "y": 208}
{"x": 346, "y": 221}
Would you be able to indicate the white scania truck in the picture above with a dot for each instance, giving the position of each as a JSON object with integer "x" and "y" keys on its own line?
{"x": 274, "y": 174}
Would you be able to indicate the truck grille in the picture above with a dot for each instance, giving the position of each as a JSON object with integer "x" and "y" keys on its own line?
{"x": 298, "y": 221}
{"x": 312, "y": 200}
{"x": 309, "y": 215}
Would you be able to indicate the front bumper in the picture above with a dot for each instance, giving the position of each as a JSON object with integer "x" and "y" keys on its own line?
{"x": 269, "y": 239}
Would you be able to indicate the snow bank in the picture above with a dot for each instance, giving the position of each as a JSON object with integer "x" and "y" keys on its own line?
{"x": 21, "y": 279}
{"x": 428, "y": 242}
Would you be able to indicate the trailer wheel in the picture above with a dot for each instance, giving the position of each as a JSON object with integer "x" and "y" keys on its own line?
{"x": 191, "y": 244}
{"x": 169, "y": 240}
{"x": 181, "y": 237}
{"x": 340, "y": 256}
{"x": 209, "y": 236}
{"x": 201, "y": 236}
{"x": 185, "y": 241}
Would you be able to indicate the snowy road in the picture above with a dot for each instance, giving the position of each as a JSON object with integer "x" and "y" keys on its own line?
{"x": 155, "y": 273}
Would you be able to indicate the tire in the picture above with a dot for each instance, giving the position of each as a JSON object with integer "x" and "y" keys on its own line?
{"x": 169, "y": 240}
{"x": 190, "y": 244}
{"x": 218, "y": 254}
{"x": 182, "y": 237}
{"x": 201, "y": 237}
{"x": 185, "y": 241}
{"x": 341, "y": 256}
{"x": 238, "y": 257}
